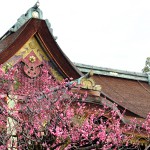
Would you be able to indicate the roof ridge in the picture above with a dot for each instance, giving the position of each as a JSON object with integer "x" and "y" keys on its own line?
{"x": 33, "y": 12}
{"x": 113, "y": 72}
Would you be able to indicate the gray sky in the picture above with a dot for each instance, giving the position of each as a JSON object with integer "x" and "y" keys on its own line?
{"x": 104, "y": 33}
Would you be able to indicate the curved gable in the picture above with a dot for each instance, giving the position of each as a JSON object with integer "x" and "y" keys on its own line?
{"x": 38, "y": 28}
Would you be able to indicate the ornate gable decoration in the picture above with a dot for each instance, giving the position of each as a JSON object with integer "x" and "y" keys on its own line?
{"x": 21, "y": 43}
{"x": 32, "y": 56}
{"x": 31, "y": 44}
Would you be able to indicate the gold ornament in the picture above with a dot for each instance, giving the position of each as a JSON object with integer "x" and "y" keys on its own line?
{"x": 32, "y": 59}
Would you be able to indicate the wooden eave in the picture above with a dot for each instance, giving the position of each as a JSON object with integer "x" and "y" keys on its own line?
{"x": 39, "y": 28}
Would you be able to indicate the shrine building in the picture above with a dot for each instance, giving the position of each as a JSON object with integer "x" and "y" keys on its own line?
{"x": 30, "y": 43}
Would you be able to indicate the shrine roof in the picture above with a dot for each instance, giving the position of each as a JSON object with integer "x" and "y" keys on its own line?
{"x": 130, "y": 90}
{"x": 113, "y": 72}
{"x": 31, "y": 24}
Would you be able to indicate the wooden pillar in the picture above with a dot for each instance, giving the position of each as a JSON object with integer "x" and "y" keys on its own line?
{"x": 11, "y": 123}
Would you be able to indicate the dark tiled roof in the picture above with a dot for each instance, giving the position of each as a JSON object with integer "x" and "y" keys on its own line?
{"x": 113, "y": 72}
{"x": 128, "y": 89}
{"x": 38, "y": 28}
{"x": 130, "y": 94}
{"x": 6, "y": 42}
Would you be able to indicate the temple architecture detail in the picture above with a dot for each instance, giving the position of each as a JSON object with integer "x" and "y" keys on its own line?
{"x": 30, "y": 45}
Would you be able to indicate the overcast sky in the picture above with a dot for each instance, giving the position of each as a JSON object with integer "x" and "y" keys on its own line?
{"x": 105, "y": 33}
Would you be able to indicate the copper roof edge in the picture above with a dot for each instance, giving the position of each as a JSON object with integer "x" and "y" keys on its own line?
{"x": 113, "y": 72}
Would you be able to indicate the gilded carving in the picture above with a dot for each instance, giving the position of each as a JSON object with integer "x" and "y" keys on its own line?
{"x": 33, "y": 56}
{"x": 32, "y": 59}
{"x": 32, "y": 45}
{"x": 88, "y": 83}
{"x": 56, "y": 74}
{"x": 32, "y": 65}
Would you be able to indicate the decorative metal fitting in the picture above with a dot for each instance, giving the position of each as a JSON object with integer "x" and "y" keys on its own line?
{"x": 32, "y": 59}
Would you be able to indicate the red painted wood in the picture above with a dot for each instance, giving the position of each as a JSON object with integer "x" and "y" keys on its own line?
{"x": 39, "y": 28}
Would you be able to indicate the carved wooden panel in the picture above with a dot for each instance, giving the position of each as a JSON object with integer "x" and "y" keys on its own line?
{"x": 23, "y": 83}
{"x": 33, "y": 56}
{"x": 32, "y": 65}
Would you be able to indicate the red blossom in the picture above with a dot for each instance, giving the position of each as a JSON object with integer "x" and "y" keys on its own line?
{"x": 47, "y": 114}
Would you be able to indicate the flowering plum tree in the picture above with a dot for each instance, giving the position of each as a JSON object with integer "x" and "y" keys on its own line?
{"x": 45, "y": 114}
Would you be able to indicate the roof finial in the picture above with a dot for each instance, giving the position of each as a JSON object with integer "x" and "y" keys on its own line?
{"x": 37, "y": 4}
{"x": 38, "y": 1}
